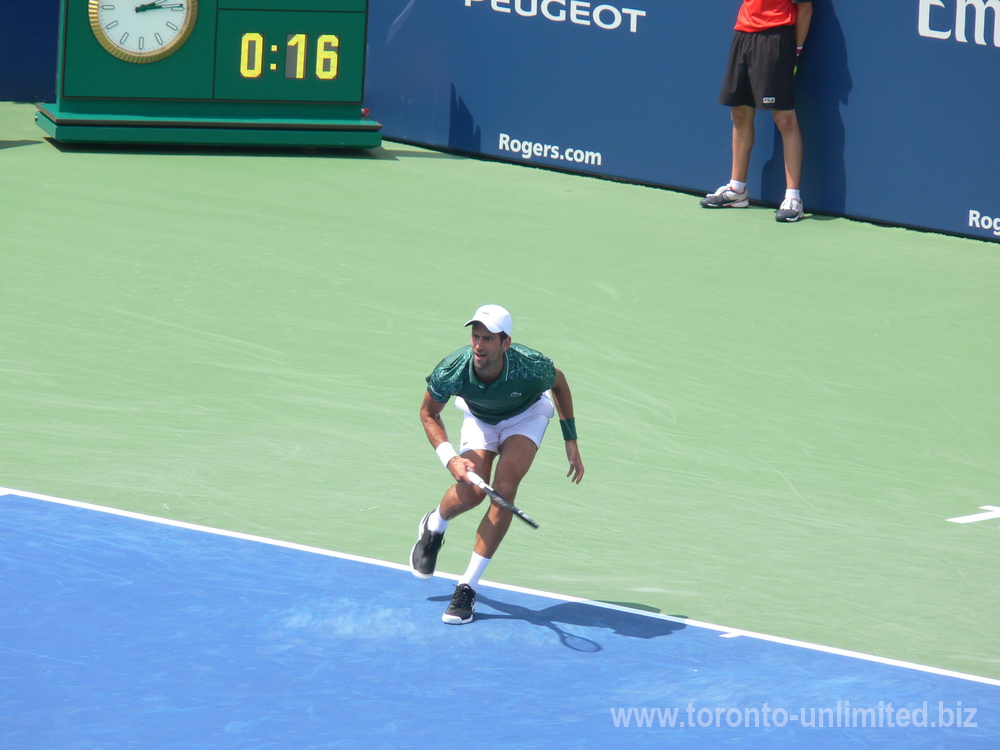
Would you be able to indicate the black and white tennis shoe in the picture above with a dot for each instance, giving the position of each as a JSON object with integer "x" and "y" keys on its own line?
{"x": 424, "y": 555}
{"x": 463, "y": 604}
{"x": 726, "y": 197}
{"x": 790, "y": 210}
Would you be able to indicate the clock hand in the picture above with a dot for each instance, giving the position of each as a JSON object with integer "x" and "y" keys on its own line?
{"x": 157, "y": 4}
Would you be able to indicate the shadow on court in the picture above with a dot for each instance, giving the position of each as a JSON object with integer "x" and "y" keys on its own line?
{"x": 575, "y": 615}
{"x": 15, "y": 144}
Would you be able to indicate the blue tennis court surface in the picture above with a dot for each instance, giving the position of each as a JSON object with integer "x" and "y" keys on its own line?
{"x": 123, "y": 632}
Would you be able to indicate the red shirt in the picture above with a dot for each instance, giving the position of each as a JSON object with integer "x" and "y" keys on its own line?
{"x": 758, "y": 15}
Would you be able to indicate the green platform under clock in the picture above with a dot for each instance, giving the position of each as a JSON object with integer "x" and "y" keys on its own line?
{"x": 241, "y": 72}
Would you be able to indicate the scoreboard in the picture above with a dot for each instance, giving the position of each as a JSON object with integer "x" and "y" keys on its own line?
{"x": 248, "y": 72}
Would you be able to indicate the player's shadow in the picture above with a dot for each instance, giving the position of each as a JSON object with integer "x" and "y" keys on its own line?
{"x": 577, "y": 615}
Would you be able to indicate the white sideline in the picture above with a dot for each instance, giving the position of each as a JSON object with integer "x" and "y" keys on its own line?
{"x": 725, "y": 632}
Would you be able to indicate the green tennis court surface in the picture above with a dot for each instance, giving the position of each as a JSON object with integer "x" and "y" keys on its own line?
{"x": 777, "y": 421}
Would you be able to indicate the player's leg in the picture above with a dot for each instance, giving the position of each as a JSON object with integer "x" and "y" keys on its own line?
{"x": 480, "y": 443}
{"x": 516, "y": 455}
{"x": 457, "y": 499}
{"x": 518, "y": 442}
{"x": 461, "y": 497}
{"x": 519, "y": 439}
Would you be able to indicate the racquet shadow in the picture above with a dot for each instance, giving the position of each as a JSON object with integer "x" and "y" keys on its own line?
{"x": 576, "y": 615}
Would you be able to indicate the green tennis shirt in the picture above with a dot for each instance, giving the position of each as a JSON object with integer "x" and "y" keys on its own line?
{"x": 526, "y": 375}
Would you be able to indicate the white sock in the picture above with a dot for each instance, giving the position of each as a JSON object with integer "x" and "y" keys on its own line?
{"x": 793, "y": 194}
{"x": 477, "y": 566}
{"x": 436, "y": 524}
{"x": 738, "y": 186}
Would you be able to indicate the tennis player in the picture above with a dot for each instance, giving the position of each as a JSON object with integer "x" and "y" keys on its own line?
{"x": 507, "y": 392}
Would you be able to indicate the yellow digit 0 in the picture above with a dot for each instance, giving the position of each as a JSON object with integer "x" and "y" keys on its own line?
{"x": 252, "y": 55}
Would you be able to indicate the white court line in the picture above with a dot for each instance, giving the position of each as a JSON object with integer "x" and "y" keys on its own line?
{"x": 991, "y": 513}
{"x": 725, "y": 632}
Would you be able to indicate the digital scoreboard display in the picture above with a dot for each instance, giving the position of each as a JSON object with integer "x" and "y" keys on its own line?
{"x": 289, "y": 56}
{"x": 213, "y": 65}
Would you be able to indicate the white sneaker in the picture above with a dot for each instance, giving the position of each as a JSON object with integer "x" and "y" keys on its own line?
{"x": 791, "y": 210}
{"x": 726, "y": 197}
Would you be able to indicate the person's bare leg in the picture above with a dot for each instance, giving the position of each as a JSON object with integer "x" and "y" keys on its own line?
{"x": 461, "y": 497}
{"x": 516, "y": 456}
{"x": 791, "y": 140}
{"x": 743, "y": 138}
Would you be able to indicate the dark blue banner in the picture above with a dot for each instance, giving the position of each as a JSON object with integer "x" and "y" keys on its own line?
{"x": 28, "y": 46}
{"x": 898, "y": 101}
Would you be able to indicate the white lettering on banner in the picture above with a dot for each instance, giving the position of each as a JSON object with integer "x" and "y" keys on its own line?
{"x": 981, "y": 221}
{"x": 529, "y": 149}
{"x": 580, "y": 12}
{"x": 940, "y": 28}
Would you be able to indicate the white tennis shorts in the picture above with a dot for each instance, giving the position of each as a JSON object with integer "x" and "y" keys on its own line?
{"x": 531, "y": 423}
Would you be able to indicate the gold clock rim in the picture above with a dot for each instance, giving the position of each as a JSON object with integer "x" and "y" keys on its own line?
{"x": 170, "y": 48}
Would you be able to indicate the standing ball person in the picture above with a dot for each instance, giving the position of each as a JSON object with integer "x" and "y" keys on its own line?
{"x": 506, "y": 391}
{"x": 761, "y": 74}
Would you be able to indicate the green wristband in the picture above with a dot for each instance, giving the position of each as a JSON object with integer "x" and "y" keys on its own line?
{"x": 568, "y": 428}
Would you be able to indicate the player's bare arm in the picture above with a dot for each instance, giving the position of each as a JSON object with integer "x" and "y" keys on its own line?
{"x": 430, "y": 417}
{"x": 563, "y": 398}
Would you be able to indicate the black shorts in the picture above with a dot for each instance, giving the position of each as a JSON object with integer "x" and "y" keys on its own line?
{"x": 761, "y": 71}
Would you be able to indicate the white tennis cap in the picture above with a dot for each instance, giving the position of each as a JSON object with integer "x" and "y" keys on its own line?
{"x": 494, "y": 317}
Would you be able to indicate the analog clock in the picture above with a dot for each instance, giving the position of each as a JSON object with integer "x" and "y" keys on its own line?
{"x": 142, "y": 31}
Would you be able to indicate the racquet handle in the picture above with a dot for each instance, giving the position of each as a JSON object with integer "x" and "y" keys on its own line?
{"x": 476, "y": 480}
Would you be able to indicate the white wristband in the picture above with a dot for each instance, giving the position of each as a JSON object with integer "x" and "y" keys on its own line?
{"x": 446, "y": 452}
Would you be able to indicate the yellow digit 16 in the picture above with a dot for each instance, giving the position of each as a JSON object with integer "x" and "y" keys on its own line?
{"x": 327, "y": 59}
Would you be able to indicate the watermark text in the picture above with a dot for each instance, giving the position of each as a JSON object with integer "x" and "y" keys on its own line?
{"x": 842, "y": 715}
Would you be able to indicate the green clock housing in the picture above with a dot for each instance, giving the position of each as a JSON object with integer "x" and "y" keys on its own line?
{"x": 212, "y": 72}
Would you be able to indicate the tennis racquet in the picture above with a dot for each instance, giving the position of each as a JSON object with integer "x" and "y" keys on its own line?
{"x": 500, "y": 500}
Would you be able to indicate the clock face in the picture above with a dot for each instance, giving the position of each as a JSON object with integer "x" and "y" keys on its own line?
{"x": 142, "y": 31}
